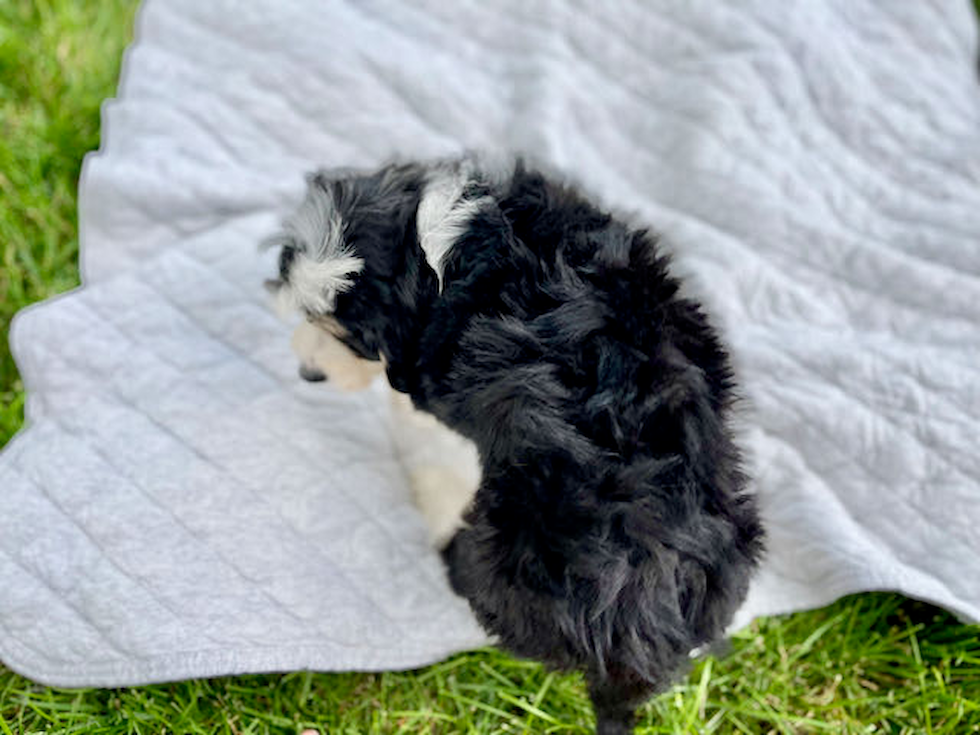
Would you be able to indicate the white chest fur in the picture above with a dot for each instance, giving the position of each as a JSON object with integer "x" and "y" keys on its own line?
{"x": 443, "y": 467}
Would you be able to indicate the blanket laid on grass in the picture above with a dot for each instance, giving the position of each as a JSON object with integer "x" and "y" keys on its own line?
{"x": 181, "y": 505}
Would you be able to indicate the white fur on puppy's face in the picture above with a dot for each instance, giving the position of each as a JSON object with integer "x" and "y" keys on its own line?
{"x": 318, "y": 348}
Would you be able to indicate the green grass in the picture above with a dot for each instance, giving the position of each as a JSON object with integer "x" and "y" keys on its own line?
{"x": 867, "y": 664}
{"x": 58, "y": 61}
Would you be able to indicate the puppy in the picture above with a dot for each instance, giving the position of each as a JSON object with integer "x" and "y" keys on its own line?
{"x": 609, "y": 528}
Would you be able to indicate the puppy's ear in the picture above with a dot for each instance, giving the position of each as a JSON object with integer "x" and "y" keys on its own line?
{"x": 316, "y": 261}
{"x": 376, "y": 211}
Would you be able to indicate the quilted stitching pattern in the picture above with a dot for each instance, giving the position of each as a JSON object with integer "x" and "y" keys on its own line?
{"x": 150, "y": 517}
{"x": 182, "y": 506}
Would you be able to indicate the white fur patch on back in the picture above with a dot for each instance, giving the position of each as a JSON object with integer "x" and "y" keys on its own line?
{"x": 443, "y": 213}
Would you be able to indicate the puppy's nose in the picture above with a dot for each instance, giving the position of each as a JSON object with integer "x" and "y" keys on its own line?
{"x": 311, "y": 374}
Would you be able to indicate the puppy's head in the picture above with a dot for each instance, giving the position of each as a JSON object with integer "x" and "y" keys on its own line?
{"x": 338, "y": 255}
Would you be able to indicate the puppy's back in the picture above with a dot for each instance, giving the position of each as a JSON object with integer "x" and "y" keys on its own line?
{"x": 612, "y": 531}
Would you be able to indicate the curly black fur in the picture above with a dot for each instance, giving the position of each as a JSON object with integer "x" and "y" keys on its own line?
{"x": 612, "y": 532}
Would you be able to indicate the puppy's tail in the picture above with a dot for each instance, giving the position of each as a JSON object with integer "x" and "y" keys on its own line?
{"x": 615, "y": 696}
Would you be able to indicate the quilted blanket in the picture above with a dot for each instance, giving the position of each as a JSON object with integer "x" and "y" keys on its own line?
{"x": 181, "y": 505}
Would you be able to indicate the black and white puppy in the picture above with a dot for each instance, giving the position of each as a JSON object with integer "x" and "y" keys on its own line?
{"x": 609, "y": 529}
